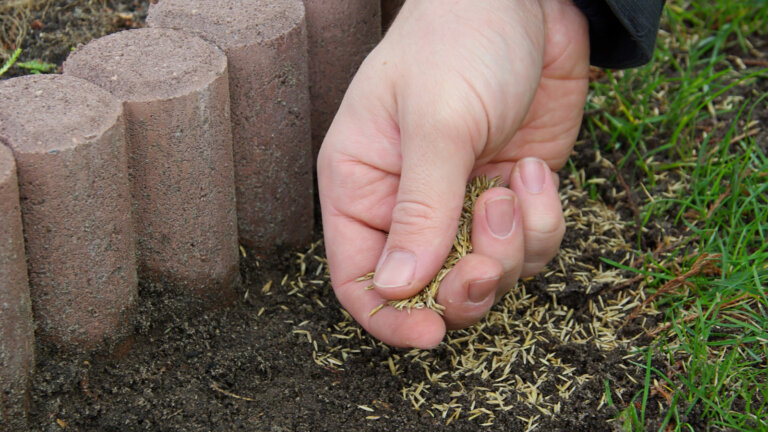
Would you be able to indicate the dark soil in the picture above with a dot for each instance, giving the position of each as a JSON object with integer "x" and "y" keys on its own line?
{"x": 246, "y": 368}
{"x": 233, "y": 369}
{"x": 236, "y": 369}
{"x": 48, "y": 30}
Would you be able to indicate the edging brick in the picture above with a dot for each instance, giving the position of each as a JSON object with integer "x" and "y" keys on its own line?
{"x": 175, "y": 91}
{"x": 340, "y": 34}
{"x": 16, "y": 327}
{"x": 68, "y": 139}
{"x": 161, "y": 169}
{"x": 265, "y": 43}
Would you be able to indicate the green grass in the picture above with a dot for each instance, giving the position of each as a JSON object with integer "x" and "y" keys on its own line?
{"x": 32, "y": 66}
{"x": 37, "y": 66}
{"x": 10, "y": 61}
{"x": 685, "y": 126}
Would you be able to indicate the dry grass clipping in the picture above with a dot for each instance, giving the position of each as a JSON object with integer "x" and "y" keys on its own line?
{"x": 462, "y": 245}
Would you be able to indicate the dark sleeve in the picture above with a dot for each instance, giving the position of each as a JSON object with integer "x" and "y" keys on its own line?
{"x": 622, "y": 33}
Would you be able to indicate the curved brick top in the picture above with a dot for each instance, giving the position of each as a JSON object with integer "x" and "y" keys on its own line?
{"x": 7, "y": 164}
{"x": 148, "y": 64}
{"x": 42, "y": 113}
{"x": 229, "y": 23}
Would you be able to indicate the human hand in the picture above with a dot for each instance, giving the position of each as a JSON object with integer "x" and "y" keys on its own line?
{"x": 457, "y": 88}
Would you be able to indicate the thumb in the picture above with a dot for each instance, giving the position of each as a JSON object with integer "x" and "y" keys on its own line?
{"x": 430, "y": 195}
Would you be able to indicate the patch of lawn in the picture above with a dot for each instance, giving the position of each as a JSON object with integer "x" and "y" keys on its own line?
{"x": 691, "y": 132}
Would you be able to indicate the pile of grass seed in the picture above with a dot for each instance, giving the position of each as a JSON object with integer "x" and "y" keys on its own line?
{"x": 462, "y": 245}
{"x": 507, "y": 364}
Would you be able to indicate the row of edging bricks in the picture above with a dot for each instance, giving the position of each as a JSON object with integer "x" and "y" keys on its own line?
{"x": 152, "y": 155}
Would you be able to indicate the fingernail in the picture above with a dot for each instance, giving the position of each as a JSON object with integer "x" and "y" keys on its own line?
{"x": 533, "y": 172}
{"x": 395, "y": 270}
{"x": 480, "y": 290}
{"x": 500, "y": 215}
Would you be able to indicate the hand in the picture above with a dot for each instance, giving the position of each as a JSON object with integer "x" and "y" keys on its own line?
{"x": 455, "y": 89}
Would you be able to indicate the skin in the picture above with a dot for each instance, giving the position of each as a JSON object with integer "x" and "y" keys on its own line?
{"x": 456, "y": 88}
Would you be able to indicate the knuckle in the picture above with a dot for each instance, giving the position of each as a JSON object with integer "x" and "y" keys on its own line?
{"x": 546, "y": 229}
{"x": 414, "y": 216}
{"x": 542, "y": 245}
{"x": 541, "y": 255}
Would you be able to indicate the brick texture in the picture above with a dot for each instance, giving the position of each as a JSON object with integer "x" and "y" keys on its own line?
{"x": 265, "y": 43}
{"x": 340, "y": 34}
{"x": 68, "y": 139}
{"x": 16, "y": 328}
{"x": 174, "y": 87}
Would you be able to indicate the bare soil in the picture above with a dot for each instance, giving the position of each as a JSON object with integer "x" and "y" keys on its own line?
{"x": 48, "y": 30}
{"x": 247, "y": 368}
